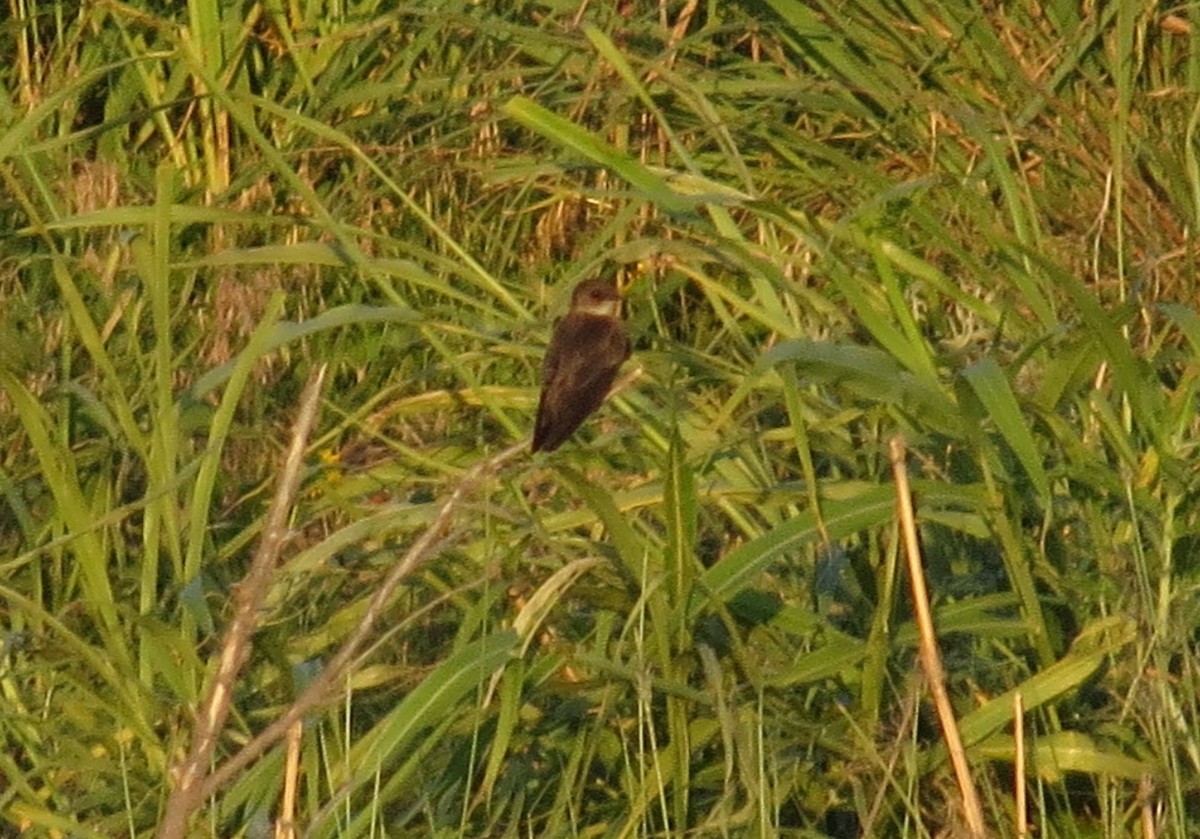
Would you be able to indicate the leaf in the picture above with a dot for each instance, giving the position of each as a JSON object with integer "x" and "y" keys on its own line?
{"x": 570, "y": 135}
{"x": 430, "y": 703}
{"x": 870, "y": 373}
{"x": 739, "y": 568}
{"x": 681, "y": 512}
{"x": 991, "y": 387}
{"x": 1094, "y": 646}
{"x": 285, "y": 332}
{"x": 1054, "y": 754}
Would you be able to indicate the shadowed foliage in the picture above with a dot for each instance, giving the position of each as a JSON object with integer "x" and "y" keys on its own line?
{"x": 969, "y": 224}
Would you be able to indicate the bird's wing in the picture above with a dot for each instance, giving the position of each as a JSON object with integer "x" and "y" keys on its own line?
{"x": 579, "y": 369}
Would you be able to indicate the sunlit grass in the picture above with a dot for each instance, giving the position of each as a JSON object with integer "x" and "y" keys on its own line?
{"x": 833, "y": 224}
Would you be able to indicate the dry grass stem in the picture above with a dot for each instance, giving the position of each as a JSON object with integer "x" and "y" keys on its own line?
{"x": 931, "y": 659}
{"x": 326, "y": 686}
{"x": 189, "y": 789}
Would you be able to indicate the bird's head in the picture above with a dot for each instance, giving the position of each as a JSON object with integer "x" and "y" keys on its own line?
{"x": 596, "y": 297}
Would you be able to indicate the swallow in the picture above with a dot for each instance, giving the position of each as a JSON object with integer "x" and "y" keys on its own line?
{"x": 588, "y": 348}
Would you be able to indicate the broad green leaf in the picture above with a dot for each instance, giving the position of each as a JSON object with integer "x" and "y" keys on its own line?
{"x": 1053, "y": 755}
{"x": 284, "y": 333}
{"x": 990, "y": 385}
{"x": 442, "y": 690}
{"x": 1095, "y": 645}
{"x": 566, "y": 133}
{"x": 872, "y": 375}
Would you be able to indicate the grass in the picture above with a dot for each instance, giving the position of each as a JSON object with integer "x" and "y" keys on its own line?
{"x": 966, "y": 225}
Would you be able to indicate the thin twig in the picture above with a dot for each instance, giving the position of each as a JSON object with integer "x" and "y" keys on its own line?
{"x": 1019, "y": 765}
{"x": 931, "y": 658}
{"x": 1146, "y": 794}
{"x": 285, "y": 824}
{"x": 328, "y": 683}
{"x": 190, "y": 788}
{"x": 899, "y": 742}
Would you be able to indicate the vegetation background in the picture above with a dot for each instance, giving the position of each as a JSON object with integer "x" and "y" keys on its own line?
{"x": 970, "y": 224}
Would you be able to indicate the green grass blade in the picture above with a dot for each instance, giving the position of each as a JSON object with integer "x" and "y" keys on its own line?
{"x": 991, "y": 388}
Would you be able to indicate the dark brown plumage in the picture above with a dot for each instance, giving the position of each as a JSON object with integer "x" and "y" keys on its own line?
{"x": 588, "y": 348}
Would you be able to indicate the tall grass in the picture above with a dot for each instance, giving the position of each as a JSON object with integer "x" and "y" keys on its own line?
{"x": 834, "y": 223}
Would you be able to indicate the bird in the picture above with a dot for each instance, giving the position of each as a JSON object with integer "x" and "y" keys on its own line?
{"x": 587, "y": 349}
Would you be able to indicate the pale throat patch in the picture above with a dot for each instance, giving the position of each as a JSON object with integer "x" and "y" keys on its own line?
{"x": 601, "y": 308}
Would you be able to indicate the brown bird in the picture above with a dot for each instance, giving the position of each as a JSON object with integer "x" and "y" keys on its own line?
{"x": 588, "y": 347}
